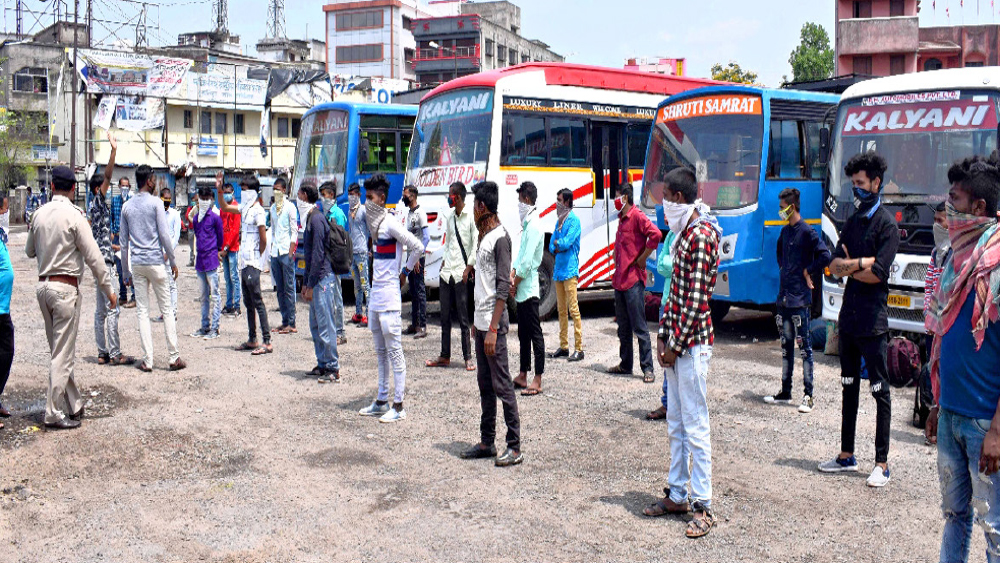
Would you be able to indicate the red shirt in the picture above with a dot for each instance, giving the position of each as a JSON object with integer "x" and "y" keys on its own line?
{"x": 231, "y": 231}
{"x": 636, "y": 233}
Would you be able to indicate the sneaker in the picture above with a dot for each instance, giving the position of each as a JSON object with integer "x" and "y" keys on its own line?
{"x": 509, "y": 457}
{"x": 838, "y": 465}
{"x": 780, "y": 398}
{"x": 393, "y": 416}
{"x": 200, "y": 333}
{"x": 225, "y": 310}
{"x": 329, "y": 376}
{"x": 341, "y": 340}
{"x": 375, "y": 409}
{"x": 212, "y": 335}
{"x": 807, "y": 404}
{"x": 356, "y": 318}
{"x": 158, "y": 319}
{"x": 364, "y": 321}
{"x": 878, "y": 478}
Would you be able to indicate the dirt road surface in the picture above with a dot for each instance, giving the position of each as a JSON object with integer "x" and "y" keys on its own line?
{"x": 241, "y": 458}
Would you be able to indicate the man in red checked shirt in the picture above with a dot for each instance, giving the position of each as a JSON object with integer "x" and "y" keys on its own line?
{"x": 684, "y": 348}
{"x": 636, "y": 239}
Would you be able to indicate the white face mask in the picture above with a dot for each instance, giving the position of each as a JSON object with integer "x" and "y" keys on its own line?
{"x": 940, "y": 235}
{"x": 249, "y": 196}
{"x": 126, "y": 190}
{"x": 523, "y": 209}
{"x": 677, "y": 215}
{"x": 5, "y": 220}
{"x": 203, "y": 206}
{"x": 355, "y": 200}
{"x": 374, "y": 213}
{"x": 279, "y": 197}
{"x": 304, "y": 207}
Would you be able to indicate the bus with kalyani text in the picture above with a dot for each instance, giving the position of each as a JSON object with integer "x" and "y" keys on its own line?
{"x": 558, "y": 125}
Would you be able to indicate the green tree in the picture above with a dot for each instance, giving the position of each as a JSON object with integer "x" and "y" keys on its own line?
{"x": 733, "y": 73}
{"x": 813, "y": 58}
{"x": 18, "y": 132}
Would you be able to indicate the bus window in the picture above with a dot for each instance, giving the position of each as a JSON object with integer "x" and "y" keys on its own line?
{"x": 381, "y": 151}
{"x": 638, "y": 138}
{"x": 405, "y": 136}
{"x": 785, "y": 156}
{"x": 568, "y": 142}
{"x": 321, "y": 153}
{"x": 526, "y": 142}
{"x": 813, "y": 167}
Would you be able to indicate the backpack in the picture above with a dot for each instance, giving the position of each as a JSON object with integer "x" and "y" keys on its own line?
{"x": 337, "y": 247}
{"x": 903, "y": 361}
{"x": 923, "y": 398}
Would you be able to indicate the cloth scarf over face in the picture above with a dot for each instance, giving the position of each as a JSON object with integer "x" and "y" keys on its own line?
{"x": 974, "y": 265}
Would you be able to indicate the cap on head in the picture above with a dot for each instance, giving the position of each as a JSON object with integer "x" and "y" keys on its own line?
{"x": 63, "y": 178}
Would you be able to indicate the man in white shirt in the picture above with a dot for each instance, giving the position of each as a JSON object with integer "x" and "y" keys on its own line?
{"x": 174, "y": 227}
{"x": 284, "y": 236}
{"x": 253, "y": 244}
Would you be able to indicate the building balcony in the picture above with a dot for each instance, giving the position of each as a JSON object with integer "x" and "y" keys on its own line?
{"x": 871, "y": 36}
{"x": 448, "y": 54}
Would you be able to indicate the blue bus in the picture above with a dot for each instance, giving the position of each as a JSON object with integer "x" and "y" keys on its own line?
{"x": 348, "y": 142}
{"x": 745, "y": 145}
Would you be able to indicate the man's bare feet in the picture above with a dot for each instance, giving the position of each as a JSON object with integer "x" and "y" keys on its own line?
{"x": 521, "y": 381}
{"x": 535, "y": 388}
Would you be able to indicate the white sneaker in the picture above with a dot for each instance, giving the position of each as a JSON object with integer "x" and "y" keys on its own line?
{"x": 778, "y": 399}
{"x": 375, "y": 409}
{"x": 879, "y": 477}
{"x": 393, "y": 416}
{"x": 807, "y": 405}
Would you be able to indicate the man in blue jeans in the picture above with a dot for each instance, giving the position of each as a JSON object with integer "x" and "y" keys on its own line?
{"x": 207, "y": 226}
{"x": 359, "y": 247}
{"x": 231, "y": 223}
{"x": 332, "y": 212}
{"x": 318, "y": 291}
{"x": 966, "y": 419}
{"x": 284, "y": 236}
{"x": 801, "y": 259}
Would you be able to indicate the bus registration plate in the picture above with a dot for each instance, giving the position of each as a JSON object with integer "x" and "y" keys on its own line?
{"x": 900, "y": 301}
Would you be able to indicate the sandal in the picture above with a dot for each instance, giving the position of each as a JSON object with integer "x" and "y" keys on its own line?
{"x": 288, "y": 330}
{"x": 122, "y": 360}
{"x": 470, "y": 366}
{"x": 247, "y": 346}
{"x": 260, "y": 351}
{"x": 279, "y": 328}
{"x": 438, "y": 363}
{"x": 531, "y": 392}
{"x": 666, "y": 506}
{"x": 658, "y": 414}
{"x": 619, "y": 370}
{"x": 648, "y": 377}
{"x": 103, "y": 360}
{"x": 700, "y": 525}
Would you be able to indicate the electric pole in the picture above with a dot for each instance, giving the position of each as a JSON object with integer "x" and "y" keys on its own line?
{"x": 76, "y": 45}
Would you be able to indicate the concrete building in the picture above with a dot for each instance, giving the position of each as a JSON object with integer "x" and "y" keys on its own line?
{"x": 374, "y": 38}
{"x": 286, "y": 52}
{"x": 657, "y": 65}
{"x": 485, "y": 36}
{"x": 884, "y": 37}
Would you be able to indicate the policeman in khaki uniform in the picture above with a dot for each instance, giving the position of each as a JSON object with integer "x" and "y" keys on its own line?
{"x": 61, "y": 239}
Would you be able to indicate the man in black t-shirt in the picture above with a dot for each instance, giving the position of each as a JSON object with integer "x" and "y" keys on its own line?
{"x": 865, "y": 253}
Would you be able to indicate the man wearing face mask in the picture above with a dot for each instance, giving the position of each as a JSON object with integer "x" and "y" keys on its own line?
{"x": 524, "y": 290}
{"x": 174, "y": 227}
{"x": 207, "y": 226}
{"x": 231, "y": 254}
{"x": 333, "y": 213}
{"x": 565, "y": 246}
{"x": 416, "y": 223}
{"x": 359, "y": 249}
{"x": 966, "y": 382}
{"x": 865, "y": 253}
{"x": 940, "y": 254}
{"x": 635, "y": 240}
{"x": 253, "y": 245}
{"x": 318, "y": 288}
{"x": 390, "y": 238}
{"x": 801, "y": 258}
{"x": 117, "y": 202}
{"x": 285, "y": 235}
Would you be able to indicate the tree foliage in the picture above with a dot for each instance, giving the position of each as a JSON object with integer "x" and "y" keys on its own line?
{"x": 733, "y": 73}
{"x": 19, "y": 131}
{"x": 813, "y": 58}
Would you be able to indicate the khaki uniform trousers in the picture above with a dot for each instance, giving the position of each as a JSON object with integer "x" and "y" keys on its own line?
{"x": 60, "y": 305}
{"x": 568, "y": 306}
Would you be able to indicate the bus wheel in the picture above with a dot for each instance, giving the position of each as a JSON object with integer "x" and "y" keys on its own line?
{"x": 546, "y": 288}
{"x": 719, "y": 311}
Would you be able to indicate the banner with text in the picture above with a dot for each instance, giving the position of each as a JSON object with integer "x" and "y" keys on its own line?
{"x": 132, "y": 74}
{"x": 725, "y": 104}
{"x": 221, "y": 91}
{"x": 138, "y": 113}
{"x": 960, "y": 115}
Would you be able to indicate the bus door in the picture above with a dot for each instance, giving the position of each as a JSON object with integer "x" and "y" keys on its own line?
{"x": 609, "y": 163}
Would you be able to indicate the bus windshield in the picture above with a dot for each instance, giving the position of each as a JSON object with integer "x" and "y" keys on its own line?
{"x": 451, "y": 140}
{"x": 321, "y": 154}
{"x": 920, "y": 136}
{"x": 719, "y": 137}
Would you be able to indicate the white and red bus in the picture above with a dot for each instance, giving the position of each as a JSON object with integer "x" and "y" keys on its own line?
{"x": 558, "y": 125}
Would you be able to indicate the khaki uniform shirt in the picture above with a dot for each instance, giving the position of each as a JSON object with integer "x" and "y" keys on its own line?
{"x": 61, "y": 239}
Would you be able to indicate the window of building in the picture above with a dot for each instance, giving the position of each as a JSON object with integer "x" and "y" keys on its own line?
{"x": 897, "y": 64}
{"x": 933, "y": 64}
{"x": 525, "y": 58}
{"x": 31, "y": 80}
{"x": 359, "y": 53}
{"x": 513, "y": 56}
{"x": 897, "y": 8}
{"x": 221, "y": 123}
{"x": 239, "y": 124}
{"x": 283, "y": 127}
{"x": 360, "y": 20}
{"x": 489, "y": 48}
{"x": 501, "y": 53}
{"x": 862, "y": 8}
{"x": 974, "y": 64}
{"x": 407, "y": 23}
{"x": 206, "y": 123}
{"x": 188, "y": 119}
{"x": 296, "y": 127}
{"x": 862, "y": 66}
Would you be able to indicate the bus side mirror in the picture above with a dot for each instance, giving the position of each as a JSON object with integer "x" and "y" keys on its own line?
{"x": 364, "y": 151}
{"x": 824, "y": 145}
{"x": 420, "y": 132}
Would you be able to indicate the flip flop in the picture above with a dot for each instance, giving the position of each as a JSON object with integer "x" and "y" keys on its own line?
{"x": 103, "y": 360}
{"x": 438, "y": 363}
{"x": 531, "y": 392}
{"x": 288, "y": 330}
{"x": 246, "y": 346}
{"x": 260, "y": 351}
{"x": 278, "y": 329}
{"x": 657, "y": 414}
{"x": 469, "y": 366}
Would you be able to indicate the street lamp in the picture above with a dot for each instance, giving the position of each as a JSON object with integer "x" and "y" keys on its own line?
{"x": 454, "y": 53}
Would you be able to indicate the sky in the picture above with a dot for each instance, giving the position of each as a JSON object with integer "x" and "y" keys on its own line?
{"x": 759, "y": 35}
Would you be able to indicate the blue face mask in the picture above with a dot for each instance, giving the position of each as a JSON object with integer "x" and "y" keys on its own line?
{"x": 228, "y": 198}
{"x": 865, "y": 197}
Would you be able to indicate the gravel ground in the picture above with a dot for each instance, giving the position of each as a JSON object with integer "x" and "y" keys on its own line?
{"x": 240, "y": 458}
